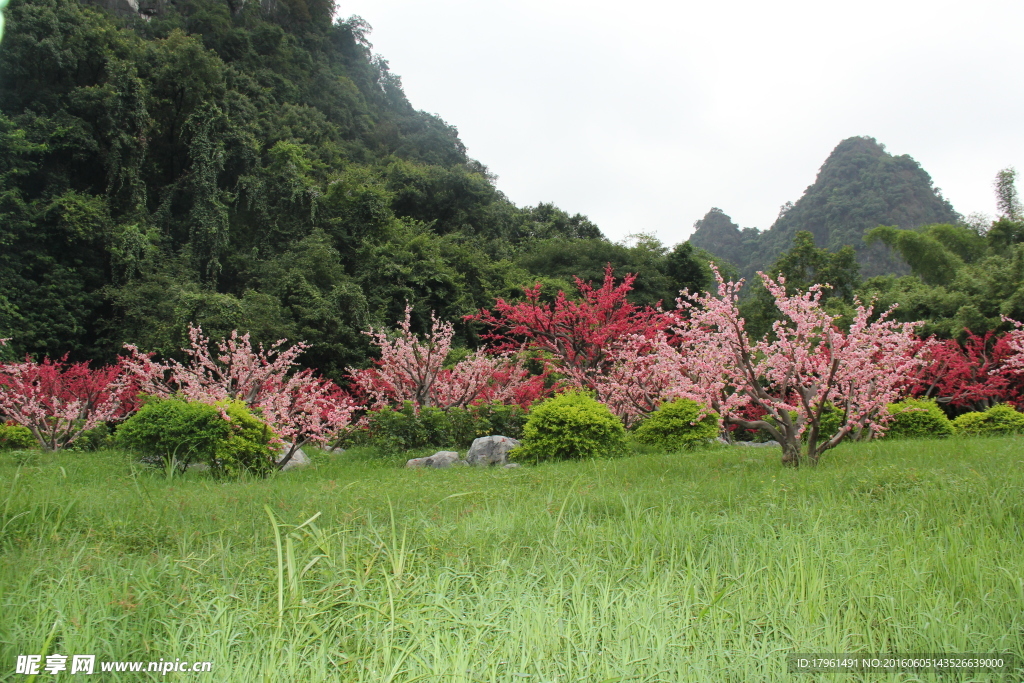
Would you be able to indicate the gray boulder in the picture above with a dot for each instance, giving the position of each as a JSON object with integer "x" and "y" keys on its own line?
{"x": 439, "y": 460}
{"x": 442, "y": 459}
{"x": 298, "y": 459}
{"x": 490, "y": 450}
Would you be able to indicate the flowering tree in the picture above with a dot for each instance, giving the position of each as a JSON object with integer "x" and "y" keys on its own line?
{"x": 306, "y": 409}
{"x": 641, "y": 374}
{"x": 809, "y": 366}
{"x": 239, "y": 371}
{"x": 411, "y": 369}
{"x": 59, "y": 401}
{"x": 301, "y": 407}
{"x": 1012, "y": 367}
{"x": 576, "y": 335}
{"x": 975, "y": 374}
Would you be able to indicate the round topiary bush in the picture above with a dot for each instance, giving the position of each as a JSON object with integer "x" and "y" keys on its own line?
{"x": 678, "y": 425}
{"x": 181, "y": 432}
{"x": 570, "y": 426}
{"x": 917, "y": 418}
{"x": 1001, "y": 419}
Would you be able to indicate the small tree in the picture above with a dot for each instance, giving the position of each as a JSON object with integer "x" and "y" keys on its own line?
{"x": 59, "y": 401}
{"x": 808, "y": 365}
{"x": 299, "y": 406}
{"x": 413, "y": 370}
{"x": 576, "y": 335}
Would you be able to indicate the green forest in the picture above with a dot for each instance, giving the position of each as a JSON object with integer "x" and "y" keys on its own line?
{"x": 258, "y": 167}
{"x": 262, "y": 170}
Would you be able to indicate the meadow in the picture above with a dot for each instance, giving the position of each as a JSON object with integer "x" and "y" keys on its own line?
{"x": 705, "y": 566}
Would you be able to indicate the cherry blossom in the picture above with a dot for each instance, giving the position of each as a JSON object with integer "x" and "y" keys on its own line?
{"x": 795, "y": 374}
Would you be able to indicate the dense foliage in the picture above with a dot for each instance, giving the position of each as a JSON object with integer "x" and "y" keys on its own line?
{"x": 394, "y": 430}
{"x": 225, "y": 436}
{"x": 996, "y": 421}
{"x": 14, "y": 436}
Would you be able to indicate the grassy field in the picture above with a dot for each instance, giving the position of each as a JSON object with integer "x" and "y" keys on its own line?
{"x": 709, "y": 566}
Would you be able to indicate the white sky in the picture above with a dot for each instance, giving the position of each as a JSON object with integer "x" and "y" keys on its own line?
{"x": 645, "y": 115}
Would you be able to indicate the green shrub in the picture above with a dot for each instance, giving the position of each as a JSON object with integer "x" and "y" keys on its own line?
{"x": 16, "y": 437}
{"x": 678, "y": 425}
{"x": 1001, "y": 419}
{"x": 498, "y": 418}
{"x": 570, "y": 426}
{"x": 831, "y": 421}
{"x": 396, "y": 431}
{"x": 99, "y": 438}
{"x": 180, "y": 432}
{"x": 916, "y": 418}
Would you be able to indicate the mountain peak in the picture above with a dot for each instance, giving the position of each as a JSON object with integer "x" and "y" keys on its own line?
{"x": 859, "y": 186}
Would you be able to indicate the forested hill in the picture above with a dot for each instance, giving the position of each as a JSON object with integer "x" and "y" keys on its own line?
{"x": 859, "y": 187}
{"x": 254, "y": 166}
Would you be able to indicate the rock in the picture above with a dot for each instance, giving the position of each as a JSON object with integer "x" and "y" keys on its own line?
{"x": 442, "y": 459}
{"x": 749, "y": 444}
{"x": 439, "y": 460}
{"x": 490, "y": 450}
{"x": 298, "y": 459}
{"x": 335, "y": 451}
{"x": 511, "y": 465}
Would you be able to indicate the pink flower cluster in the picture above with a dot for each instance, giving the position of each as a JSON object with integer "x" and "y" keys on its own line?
{"x": 411, "y": 369}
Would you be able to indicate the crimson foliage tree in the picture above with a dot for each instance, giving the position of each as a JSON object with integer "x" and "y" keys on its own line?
{"x": 577, "y": 337}
{"x": 59, "y": 401}
{"x": 972, "y": 375}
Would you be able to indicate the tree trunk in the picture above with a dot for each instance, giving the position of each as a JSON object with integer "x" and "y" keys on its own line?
{"x": 791, "y": 453}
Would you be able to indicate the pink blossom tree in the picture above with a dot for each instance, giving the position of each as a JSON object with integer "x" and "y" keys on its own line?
{"x": 300, "y": 407}
{"x": 795, "y": 375}
{"x": 59, "y": 401}
{"x": 413, "y": 369}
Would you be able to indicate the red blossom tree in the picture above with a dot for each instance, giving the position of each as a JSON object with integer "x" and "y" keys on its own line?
{"x": 411, "y": 369}
{"x": 299, "y": 406}
{"x": 796, "y": 375}
{"x": 577, "y": 337}
{"x": 59, "y": 401}
{"x": 972, "y": 375}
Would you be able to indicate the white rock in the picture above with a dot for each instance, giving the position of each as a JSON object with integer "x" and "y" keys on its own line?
{"x": 490, "y": 450}
{"x": 298, "y": 459}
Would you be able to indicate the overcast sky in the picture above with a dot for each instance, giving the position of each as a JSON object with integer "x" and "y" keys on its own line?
{"x": 644, "y": 115}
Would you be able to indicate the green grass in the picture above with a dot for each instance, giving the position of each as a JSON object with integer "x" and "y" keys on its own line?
{"x": 707, "y": 566}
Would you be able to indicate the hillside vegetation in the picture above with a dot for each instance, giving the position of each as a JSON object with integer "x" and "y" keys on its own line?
{"x": 251, "y": 166}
